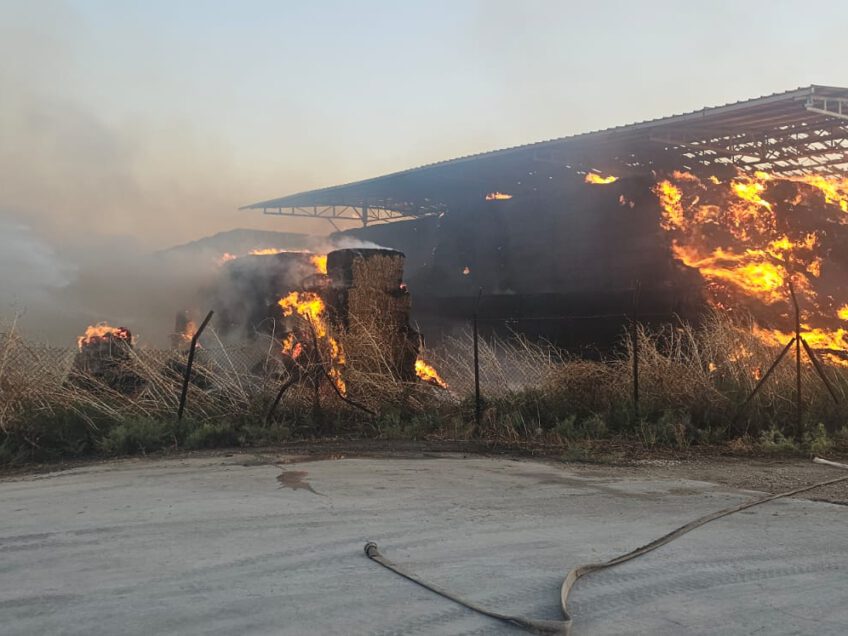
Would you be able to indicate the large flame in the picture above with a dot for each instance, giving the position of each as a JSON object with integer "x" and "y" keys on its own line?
{"x": 427, "y": 373}
{"x": 752, "y": 235}
{"x": 102, "y": 332}
{"x": 310, "y": 307}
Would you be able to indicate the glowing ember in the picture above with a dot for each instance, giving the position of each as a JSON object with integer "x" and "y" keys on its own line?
{"x": 226, "y": 256}
{"x": 498, "y": 196}
{"x": 102, "y": 332}
{"x": 189, "y": 331}
{"x": 466, "y": 270}
{"x": 427, "y": 373}
{"x": 597, "y": 179}
{"x": 750, "y": 236}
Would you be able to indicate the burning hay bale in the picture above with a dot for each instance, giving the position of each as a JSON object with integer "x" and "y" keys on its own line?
{"x": 355, "y": 330}
{"x": 104, "y": 359}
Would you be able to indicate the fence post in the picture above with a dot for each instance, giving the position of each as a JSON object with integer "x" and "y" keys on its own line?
{"x": 475, "y": 335}
{"x": 190, "y": 362}
{"x": 799, "y": 404}
{"x": 634, "y": 337}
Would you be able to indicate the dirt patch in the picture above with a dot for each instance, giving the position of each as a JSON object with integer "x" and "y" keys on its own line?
{"x": 763, "y": 475}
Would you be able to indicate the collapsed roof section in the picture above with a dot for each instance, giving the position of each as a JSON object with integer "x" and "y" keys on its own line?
{"x": 799, "y": 131}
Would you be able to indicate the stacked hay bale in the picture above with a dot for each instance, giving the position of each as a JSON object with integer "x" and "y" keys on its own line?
{"x": 369, "y": 307}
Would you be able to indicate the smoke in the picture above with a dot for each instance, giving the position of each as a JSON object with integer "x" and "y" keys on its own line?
{"x": 30, "y": 270}
{"x": 87, "y": 192}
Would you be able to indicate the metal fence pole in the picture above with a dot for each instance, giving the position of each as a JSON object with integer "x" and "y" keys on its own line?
{"x": 476, "y": 337}
{"x": 189, "y": 364}
{"x": 799, "y": 404}
{"x": 634, "y": 337}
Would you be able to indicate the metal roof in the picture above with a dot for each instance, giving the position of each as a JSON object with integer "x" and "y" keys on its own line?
{"x": 800, "y": 130}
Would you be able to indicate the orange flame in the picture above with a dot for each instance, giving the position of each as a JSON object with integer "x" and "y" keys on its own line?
{"x": 226, "y": 256}
{"x": 102, "y": 332}
{"x": 597, "y": 179}
{"x": 319, "y": 261}
{"x": 310, "y": 307}
{"x": 189, "y": 331}
{"x": 747, "y": 241}
{"x": 265, "y": 251}
{"x": 498, "y": 196}
{"x": 427, "y": 373}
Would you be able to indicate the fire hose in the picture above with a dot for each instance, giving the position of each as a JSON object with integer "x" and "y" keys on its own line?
{"x": 537, "y": 626}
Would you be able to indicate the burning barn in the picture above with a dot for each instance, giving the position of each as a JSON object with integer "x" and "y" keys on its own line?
{"x": 720, "y": 207}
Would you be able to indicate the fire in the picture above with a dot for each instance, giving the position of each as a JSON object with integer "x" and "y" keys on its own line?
{"x": 751, "y": 235}
{"x": 102, "y": 332}
{"x": 498, "y": 196}
{"x": 189, "y": 331}
{"x": 597, "y": 179}
{"x": 265, "y": 251}
{"x": 319, "y": 262}
{"x": 834, "y": 189}
{"x": 291, "y": 347}
{"x": 670, "y": 197}
{"x": 427, "y": 373}
{"x": 310, "y": 307}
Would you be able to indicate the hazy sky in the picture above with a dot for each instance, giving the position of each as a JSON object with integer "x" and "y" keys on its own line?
{"x": 156, "y": 119}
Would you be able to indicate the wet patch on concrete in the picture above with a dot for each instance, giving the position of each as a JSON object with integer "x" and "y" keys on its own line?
{"x": 317, "y": 457}
{"x": 296, "y": 480}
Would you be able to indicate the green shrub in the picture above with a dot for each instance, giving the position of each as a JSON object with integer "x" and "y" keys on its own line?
{"x": 140, "y": 435}
{"x": 212, "y": 435}
{"x": 45, "y": 435}
{"x": 773, "y": 441}
{"x": 817, "y": 441}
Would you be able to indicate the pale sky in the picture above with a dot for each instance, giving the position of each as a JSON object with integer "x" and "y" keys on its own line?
{"x": 156, "y": 119}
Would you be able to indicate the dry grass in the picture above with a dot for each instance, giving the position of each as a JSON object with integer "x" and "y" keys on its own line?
{"x": 693, "y": 382}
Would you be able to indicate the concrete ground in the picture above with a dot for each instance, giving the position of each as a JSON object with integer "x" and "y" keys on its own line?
{"x": 243, "y": 544}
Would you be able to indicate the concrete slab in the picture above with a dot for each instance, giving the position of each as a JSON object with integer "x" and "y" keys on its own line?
{"x": 232, "y": 546}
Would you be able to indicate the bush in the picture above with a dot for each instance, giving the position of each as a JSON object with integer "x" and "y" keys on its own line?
{"x": 140, "y": 435}
{"x": 773, "y": 441}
